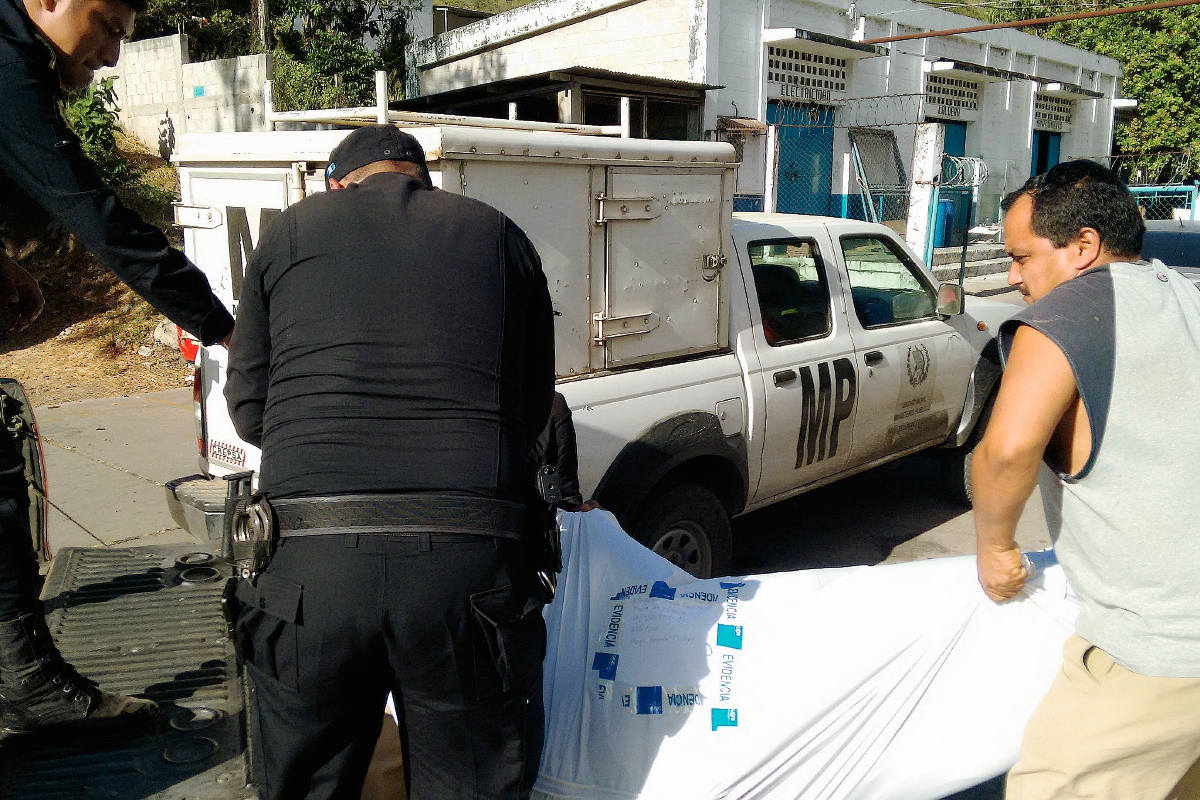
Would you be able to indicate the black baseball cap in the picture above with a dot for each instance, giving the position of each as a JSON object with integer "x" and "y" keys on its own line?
{"x": 374, "y": 143}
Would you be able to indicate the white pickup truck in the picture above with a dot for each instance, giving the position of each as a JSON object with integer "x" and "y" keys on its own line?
{"x": 714, "y": 362}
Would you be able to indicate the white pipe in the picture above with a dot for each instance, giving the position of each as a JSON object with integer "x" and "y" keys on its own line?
{"x": 296, "y": 191}
{"x": 512, "y": 110}
{"x": 366, "y": 115}
{"x": 624, "y": 117}
{"x": 269, "y": 105}
{"x": 381, "y": 98}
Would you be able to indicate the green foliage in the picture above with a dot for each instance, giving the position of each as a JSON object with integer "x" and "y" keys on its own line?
{"x": 92, "y": 114}
{"x": 325, "y": 51}
{"x": 1161, "y": 54}
{"x": 299, "y": 87}
{"x": 1160, "y": 51}
{"x": 331, "y": 36}
{"x": 215, "y": 28}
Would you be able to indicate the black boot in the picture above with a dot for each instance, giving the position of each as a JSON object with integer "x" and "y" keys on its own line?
{"x": 39, "y": 691}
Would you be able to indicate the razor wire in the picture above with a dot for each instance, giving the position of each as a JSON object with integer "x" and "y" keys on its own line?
{"x": 963, "y": 172}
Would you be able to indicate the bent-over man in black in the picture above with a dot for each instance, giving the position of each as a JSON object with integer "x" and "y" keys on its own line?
{"x": 393, "y": 357}
{"x": 46, "y": 45}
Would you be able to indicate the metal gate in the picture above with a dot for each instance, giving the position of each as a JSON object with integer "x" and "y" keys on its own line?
{"x": 805, "y": 165}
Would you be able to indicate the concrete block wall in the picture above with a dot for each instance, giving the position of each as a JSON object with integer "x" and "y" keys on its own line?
{"x": 162, "y": 94}
{"x": 225, "y": 95}
{"x": 148, "y": 76}
{"x": 647, "y": 38}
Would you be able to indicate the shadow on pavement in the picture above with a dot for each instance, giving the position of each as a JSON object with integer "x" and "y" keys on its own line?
{"x": 857, "y": 520}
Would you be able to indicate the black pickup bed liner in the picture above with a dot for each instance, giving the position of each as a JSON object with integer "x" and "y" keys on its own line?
{"x": 143, "y": 621}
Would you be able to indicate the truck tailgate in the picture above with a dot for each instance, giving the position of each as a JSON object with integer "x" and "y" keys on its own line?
{"x": 143, "y": 621}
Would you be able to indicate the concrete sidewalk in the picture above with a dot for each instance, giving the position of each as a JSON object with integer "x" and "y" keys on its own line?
{"x": 106, "y": 463}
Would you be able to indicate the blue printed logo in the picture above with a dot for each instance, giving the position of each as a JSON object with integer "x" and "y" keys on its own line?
{"x": 661, "y": 590}
{"x": 731, "y": 585}
{"x": 649, "y": 700}
{"x": 329, "y": 170}
{"x": 724, "y": 718}
{"x": 727, "y": 636}
{"x": 606, "y": 665}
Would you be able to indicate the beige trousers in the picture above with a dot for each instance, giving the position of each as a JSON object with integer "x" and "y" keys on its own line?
{"x": 385, "y": 775}
{"x": 1106, "y": 733}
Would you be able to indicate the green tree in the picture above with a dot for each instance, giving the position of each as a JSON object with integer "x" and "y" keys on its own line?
{"x": 1160, "y": 51}
{"x": 214, "y": 28}
{"x": 346, "y": 41}
{"x": 326, "y": 51}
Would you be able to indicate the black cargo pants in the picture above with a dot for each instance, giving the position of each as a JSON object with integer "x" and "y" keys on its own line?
{"x": 20, "y": 583}
{"x": 451, "y": 625}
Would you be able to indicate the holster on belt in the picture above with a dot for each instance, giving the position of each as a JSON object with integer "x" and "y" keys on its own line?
{"x": 548, "y": 544}
{"x": 248, "y": 540}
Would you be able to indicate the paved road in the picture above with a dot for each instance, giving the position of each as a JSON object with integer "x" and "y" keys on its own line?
{"x": 106, "y": 463}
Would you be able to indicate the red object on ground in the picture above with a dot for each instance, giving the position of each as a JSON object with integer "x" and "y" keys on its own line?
{"x": 188, "y": 347}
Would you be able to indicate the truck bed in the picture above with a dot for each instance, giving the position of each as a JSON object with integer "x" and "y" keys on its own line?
{"x": 143, "y": 621}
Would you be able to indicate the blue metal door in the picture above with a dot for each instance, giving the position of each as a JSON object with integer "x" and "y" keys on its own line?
{"x": 1046, "y": 150}
{"x": 804, "y": 178}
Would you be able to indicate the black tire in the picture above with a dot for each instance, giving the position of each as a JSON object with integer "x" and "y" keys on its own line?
{"x": 956, "y": 475}
{"x": 956, "y": 464}
{"x": 688, "y": 526}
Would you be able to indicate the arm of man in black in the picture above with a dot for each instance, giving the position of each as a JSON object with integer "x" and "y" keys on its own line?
{"x": 44, "y": 157}
{"x": 250, "y": 348}
{"x": 539, "y": 330}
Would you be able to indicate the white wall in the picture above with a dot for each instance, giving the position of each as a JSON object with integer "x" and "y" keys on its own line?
{"x": 649, "y": 38}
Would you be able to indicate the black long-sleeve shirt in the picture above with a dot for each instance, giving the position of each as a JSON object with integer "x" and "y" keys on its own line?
{"x": 556, "y": 447}
{"x": 392, "y": 338}
{"x": 40, "y": 153}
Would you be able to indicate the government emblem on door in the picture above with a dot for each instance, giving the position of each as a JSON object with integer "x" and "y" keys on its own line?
{"x": 918, "y": 364}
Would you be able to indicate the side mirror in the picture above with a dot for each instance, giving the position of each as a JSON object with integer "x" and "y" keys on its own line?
{"x": 950, "y": 300}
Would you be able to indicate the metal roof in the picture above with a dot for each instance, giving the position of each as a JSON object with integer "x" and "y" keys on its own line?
{"x": 549, "y": 81}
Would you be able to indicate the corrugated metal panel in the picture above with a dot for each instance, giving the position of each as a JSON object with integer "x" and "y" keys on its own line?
{"x": 144, "y": 621}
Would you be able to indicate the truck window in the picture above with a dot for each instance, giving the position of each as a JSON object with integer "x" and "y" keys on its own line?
{"x": 884, "y": 283}
{"x": 792, "y": 292}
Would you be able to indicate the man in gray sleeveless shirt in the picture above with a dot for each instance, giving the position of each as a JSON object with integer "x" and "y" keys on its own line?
{"x": 1100, "y": 374}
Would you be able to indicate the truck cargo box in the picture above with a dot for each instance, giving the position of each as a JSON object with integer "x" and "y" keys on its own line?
{"x": 633, "y": 234}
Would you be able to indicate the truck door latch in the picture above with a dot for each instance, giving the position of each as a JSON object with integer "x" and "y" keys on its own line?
{"x": 615, "y": 209}
{"x": 614, "y": 327}
{"x": 205, "y": 217}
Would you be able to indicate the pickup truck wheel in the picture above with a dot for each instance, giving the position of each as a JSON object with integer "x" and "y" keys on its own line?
{"x": 956, "y": 464}
{"x": 688, "y": 526}
{"x": 956, "y": 475}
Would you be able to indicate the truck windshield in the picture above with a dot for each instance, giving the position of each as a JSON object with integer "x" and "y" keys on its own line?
{"x": 884, "y": 284}
{"x": 792, "y": 293}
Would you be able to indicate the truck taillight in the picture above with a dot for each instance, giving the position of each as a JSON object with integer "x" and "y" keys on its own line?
{"x": 201, "y": 420}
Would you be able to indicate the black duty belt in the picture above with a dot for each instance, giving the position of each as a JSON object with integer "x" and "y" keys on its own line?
{"x": 399, "y": 514}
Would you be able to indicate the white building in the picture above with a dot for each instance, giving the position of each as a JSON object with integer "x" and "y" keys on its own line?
{"x": 826, "y": 123}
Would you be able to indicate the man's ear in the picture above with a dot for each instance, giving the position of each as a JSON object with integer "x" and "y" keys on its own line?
{"x": 334, "y": 184}
{"x": 1086, "y": 248}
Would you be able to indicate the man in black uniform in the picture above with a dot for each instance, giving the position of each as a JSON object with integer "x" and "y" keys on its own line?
{"x": 393, "y": 358}
{"x": 46, "y": 45}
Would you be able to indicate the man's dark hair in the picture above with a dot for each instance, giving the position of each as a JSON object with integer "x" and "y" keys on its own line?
{"x": 1083, "y": 194}
{"x": 138, "y": 6}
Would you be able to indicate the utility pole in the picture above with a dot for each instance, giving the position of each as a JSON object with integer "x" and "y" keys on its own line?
{"x": 258, "y": 21}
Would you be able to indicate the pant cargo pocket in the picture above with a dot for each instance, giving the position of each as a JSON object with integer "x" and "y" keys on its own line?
{"x": 509, "y": 641}
{"x": 266, "y": 631}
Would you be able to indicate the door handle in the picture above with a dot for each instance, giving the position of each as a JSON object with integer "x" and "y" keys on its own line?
{"x": 784, "y": 376}
{"x": 872, "y": 358}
